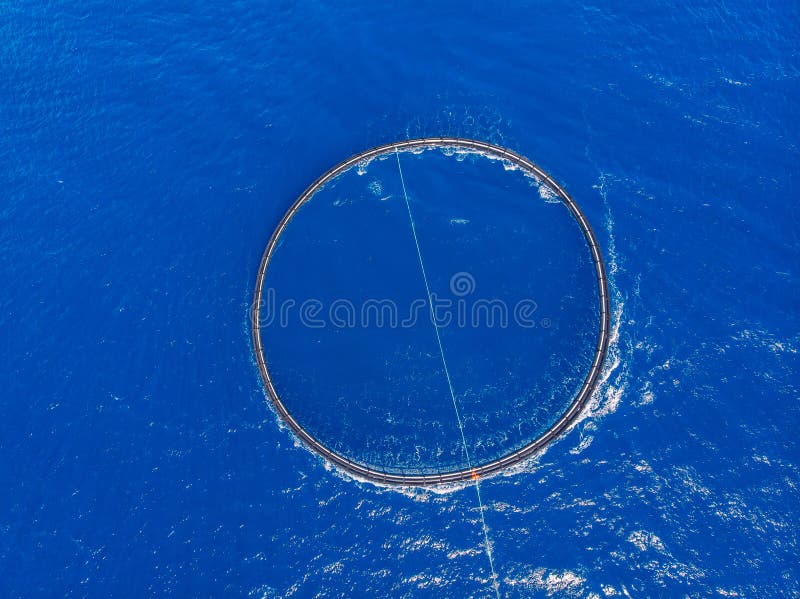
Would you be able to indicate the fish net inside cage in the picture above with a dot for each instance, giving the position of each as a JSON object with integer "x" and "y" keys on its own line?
{"x": 428, "y": 310}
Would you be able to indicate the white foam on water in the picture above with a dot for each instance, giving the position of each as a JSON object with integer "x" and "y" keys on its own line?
{"x": 614, "y": 378}
{"x": 547, "y": 194}
{"x": 553, "y": 582}
{"x": 735, "y": 82}
{"x": 413, "y": 492}
{"x": 608, "y": 590}
{"x": 545, "y": 191}
{"x": 586, "y": 441}
{"x": 763, "y": 339}
{"x": 644, "y": 541}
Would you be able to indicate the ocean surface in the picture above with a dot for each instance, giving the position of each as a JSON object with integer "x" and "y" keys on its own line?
{"x": 147, "y": 150}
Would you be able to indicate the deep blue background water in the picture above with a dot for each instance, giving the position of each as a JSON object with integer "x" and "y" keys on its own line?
{"x": 147, "y": 150}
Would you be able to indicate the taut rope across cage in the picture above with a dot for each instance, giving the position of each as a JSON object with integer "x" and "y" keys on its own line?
{"x": 471, "y": 471}
{"x": 487, "y": 545}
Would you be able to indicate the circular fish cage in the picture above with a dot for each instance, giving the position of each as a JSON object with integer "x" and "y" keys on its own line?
{"x": 472, "y": 466}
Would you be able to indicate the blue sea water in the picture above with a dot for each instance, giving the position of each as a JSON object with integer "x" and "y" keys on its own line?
{"x": 148, "y": 149}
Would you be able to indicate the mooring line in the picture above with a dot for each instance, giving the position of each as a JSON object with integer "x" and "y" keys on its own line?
{"x": 495, "y": 583}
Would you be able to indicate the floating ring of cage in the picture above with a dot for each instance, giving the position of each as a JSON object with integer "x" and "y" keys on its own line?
{"x": 372, "y": 397}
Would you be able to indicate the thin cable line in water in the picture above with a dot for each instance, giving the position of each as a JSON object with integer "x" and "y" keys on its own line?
{"x": 495, "y": 583}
